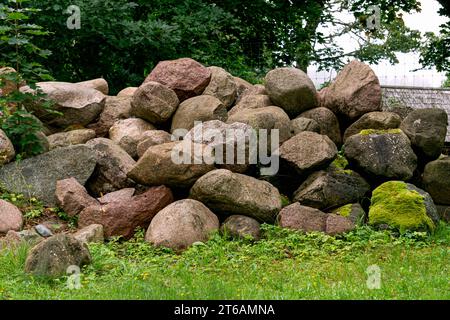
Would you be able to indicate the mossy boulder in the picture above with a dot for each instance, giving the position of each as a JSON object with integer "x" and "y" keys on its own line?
{"x": 402, "y": 206}
{"x": 353, "y": 211}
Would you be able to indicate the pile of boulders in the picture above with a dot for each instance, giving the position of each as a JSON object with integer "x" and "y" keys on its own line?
{"x": 343, "y": 161}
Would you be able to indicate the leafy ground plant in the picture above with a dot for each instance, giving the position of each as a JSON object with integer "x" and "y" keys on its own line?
{"x": 283, "y": 265}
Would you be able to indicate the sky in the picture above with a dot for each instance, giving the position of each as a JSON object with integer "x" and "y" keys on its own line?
{"x": 401, "y": 74}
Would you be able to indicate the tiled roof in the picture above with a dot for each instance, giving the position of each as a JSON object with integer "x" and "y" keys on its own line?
{"x": 418, "y": 98}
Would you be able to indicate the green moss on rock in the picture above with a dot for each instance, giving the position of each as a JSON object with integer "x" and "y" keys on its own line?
{"x": 284, "y": 201}
{"x": 340, "y": 162}
{"x": 344, "y": 210}
{"x": 394, "y": 204}
{"x": 374, "y": 131}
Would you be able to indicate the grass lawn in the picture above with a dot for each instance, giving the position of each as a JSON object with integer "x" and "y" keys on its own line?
{"x": 283, "y": 265}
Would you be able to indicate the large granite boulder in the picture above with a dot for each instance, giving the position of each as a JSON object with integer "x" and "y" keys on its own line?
{"x": 382, "y": 155}
{"x": 182, "y": 224}
{"x": 308, "y": 151}
{"x": 231, "y": 193}
{"x": 78, "y": 105}
{"x": 114, "y": 163}
{"x": 291, "y": 89}
{"x": 37, "y": 176}
{"x": 175, "y": 164}
{"x": 121, "y": 218}
{"x": 222, "y": 86}
{"x": 355, "y": 91}
{"x": 427, "y": 129}
{"x": 185, "y": 76}
{"x": 331, "y": 188}
{"x": 53, "y": 256}
{"x": 154, "y": 102}
{"x": 202, "y": 108}
{"x": 436, "y": 180}
{"x": 230, "y": 143}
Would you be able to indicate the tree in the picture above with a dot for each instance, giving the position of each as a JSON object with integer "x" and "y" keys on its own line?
{"x": 122, "y": 40}
{"x": 293, "y": 31}
{"x": 436, "y": 50}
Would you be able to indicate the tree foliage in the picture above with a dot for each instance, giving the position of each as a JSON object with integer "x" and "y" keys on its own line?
{"x": 19, "y": 51}
{"x": 436, "y": 51}
{"x": 122, "y": 40}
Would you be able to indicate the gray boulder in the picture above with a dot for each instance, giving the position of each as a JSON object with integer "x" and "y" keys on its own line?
{"x": 53, "y": 256}
{"x": 225, "y": 138}
{"x": 382, "y": 155}
{"x": 427, "y": 129}
{"x": 303, "y": 124}
{"x": 7, "y": 152}
{"x": 292, "y": 90}
{"x": 436, "y": 180}
{"x": 128, "y": 133}
{"x": 113, "y": 165}
{"x": 308, "y": 151}
{"x": 65, "y": 139}
{"x": 37, "y": 176}
{"x": 222, "y": 86}
{"x": 328, "y": 123}
{"x": 181, "y": 224}
{"x": 201, "y": 108}
{"x": 331, "y": 188}
{"x": 241, "y": 227}
{"x": 154, "y": 102}
{"x": 374, "y": 120}
{"x": 230, "y": 193}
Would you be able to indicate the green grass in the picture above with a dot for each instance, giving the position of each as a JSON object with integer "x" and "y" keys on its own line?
{"x": 283, "y": 265}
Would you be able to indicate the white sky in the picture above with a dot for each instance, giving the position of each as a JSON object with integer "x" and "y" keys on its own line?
{"x": 426, "y": 20}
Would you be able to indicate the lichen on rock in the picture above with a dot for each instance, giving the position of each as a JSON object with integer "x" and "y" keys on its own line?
{"x": 367, "y": 132}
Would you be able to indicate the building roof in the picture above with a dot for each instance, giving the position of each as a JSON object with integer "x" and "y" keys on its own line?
{"x": 418, "y": 98}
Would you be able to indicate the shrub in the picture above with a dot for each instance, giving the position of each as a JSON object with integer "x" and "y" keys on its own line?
{"x": 19, "y": 52}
